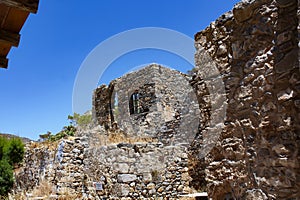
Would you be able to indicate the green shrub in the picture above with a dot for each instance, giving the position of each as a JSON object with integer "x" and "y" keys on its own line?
{"x": 11, "y": 153}
{"x": 69, "y": 130}
{"x": 11, "y": 150}
{"x": 80, "y": 120}
{"x": 66, "y": 131}
{"x": 45, "y": 136}
{"x": 3, "y": 144}
{"x": 15, "y": 151}
{"x": 6, "y": 177}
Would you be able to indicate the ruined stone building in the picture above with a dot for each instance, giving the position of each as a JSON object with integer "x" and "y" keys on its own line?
{"x": 230, "y": 129}
{"x": 154, "y": 102}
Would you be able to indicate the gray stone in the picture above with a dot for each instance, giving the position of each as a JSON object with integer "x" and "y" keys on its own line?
{"x": 121, "y": 167}
{"x": 125, "y": 189}
{"x": 124, "y": 178}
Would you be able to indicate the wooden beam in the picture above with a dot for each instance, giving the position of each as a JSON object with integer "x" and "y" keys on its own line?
{"x": 3, "y": 62}
{"x": 26, "y": 5}
{"x": 10, "y": 38}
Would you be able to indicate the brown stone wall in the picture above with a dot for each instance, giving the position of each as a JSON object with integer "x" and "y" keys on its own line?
{"x": 256, "y": 50}
{"x": 102, "y": 105}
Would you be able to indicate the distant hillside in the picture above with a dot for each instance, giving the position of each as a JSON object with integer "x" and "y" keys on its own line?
{"x": 6, "y": 135}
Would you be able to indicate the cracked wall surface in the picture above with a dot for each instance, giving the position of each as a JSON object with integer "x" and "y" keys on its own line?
{"x": 256, "y": 50}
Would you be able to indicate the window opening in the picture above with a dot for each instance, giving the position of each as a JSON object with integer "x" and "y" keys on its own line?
{"x": 134, "y": 103}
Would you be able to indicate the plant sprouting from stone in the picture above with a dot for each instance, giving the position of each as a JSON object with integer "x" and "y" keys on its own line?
{"x": 66, "y": 131}
{"x": 80, "y": 120}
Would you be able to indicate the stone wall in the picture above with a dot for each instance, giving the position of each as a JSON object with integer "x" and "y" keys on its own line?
{"x": 38, "y": 163}
{"x": 139, "y": 170}
{"x": 59, "y": 164}
{"x": 69, "y": 174}
{"x": 101, "y": 110}
{"x": 168, "y": 106}
{"x": 255, "y": 52}
{"x": 73, "y": 167}
{"x": 255, "y": 48}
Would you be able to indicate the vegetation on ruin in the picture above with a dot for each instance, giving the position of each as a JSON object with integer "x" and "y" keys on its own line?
{"x": 80, "y": 120}
{"x": 76, "y": 120}
{"x": 65, "y": 132}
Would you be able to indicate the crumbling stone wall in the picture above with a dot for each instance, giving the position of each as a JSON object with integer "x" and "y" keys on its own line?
{"x": 102, "y": 105}
{"x": 38, "y": 162}
{"x": 168, "y": 104}
{"x": 256, "y": 50}
{"x": 169, "y": 114}
{"x": 58, "y": 164}
{"x": 139, "y": 170}
{"x": 69, "y": 175}
{"x": 73, "y": 167}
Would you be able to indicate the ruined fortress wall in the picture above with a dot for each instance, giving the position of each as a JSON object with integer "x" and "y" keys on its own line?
{"x": 54, "y": 167}
{"x": 256, "y": 51}
{"x": 37, "y": 163}
{"x": 72, "y": 167}
{"x": 102, "y": 105}
{"x": 139, "y": 170}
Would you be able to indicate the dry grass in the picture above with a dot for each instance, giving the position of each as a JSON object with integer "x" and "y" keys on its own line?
{"x": 45, "y": 144}
{"x": 44, "y": 189}
{"x": 67, "y": 194}
{"x": 117, "y": 137}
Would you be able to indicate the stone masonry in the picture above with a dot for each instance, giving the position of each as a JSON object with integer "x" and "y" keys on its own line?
{"x": 256, "y": 50}
{"x": 137, "y": 171}
{"x": 253, "y": 152}
{"x": 167, "y": 105}
{"x": 59, "y": 164}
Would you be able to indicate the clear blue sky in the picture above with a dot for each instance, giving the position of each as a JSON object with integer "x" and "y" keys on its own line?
{"x": 36, "y": 90}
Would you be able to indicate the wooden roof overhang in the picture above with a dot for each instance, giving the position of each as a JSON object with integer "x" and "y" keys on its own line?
{"x": 13, "y": 14}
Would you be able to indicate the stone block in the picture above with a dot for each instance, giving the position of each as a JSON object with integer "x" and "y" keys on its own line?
{"x": 125, "y": 178}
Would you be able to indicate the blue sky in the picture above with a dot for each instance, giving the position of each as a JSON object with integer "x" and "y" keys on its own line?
{"x": 36, "y": 90}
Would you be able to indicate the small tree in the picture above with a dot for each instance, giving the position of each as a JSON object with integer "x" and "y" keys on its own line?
{"x": 11, "y": 153}
{"x": 3, "y": 143}
{"x": 46, "y": 136}
{"x": 15, "y": 151}
{"x": 81, "y": 120}
{"x": 6, "y": 177}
